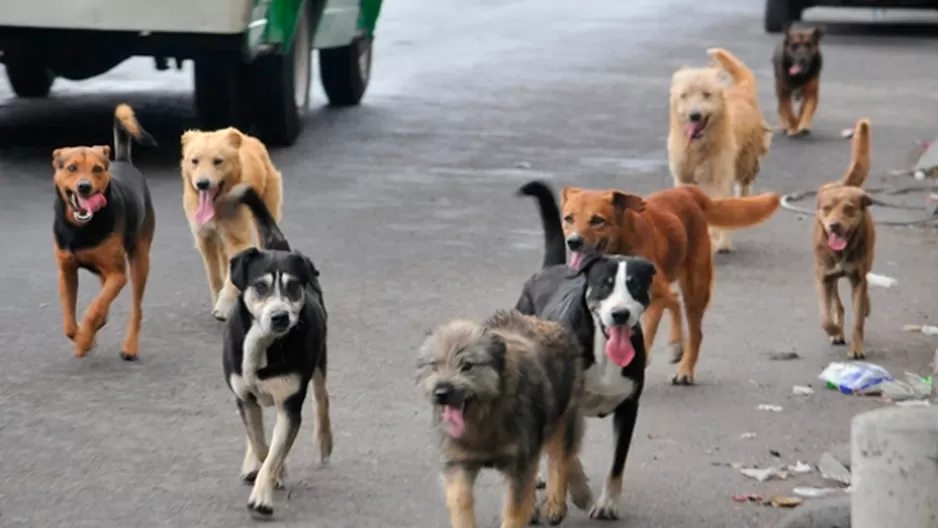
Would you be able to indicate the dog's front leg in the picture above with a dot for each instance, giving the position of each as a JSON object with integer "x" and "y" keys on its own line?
{"x": 68, "y": 293}
{"x": 830, "y": 309}
{"x": 112, "y": 282}
{"x": 289, "y": 418}
{"x": 623, "y": 423}
{"x": 460, "y": 500}
{"x": 211, "y": 251}
{"x": 860, "y": 309}
{"x": 256, "y": 449}
{"x": 786, "y": 114}
{"x": 811, "y": 93}
{"x": 521, "y": 496}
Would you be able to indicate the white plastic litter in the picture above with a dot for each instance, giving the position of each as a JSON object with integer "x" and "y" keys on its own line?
{"x": 800, "y": 468}
{"x": 929, "y": 330}
{"x": 768, "y": 407}
{"x": 802, "y": 390}
{"x": 856, "y": 377}
{"x": 882, "y": 281}
{"x": 809, "y": 492}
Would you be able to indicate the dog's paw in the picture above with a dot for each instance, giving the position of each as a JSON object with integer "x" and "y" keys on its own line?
{"x": 222, "y": 307}
{"x": 84, "y": 342}
{"x": 581, "y": 496}
{"x": 249, "y": 477}
{"x": 261, "y": 512}
{"x": 675, "y": 352}
{"x": 554, "y": 511}
{"x": 70, "y": 330}
{"x": 539, "y": 482}
{"x": 838, "y": 340}
{"x": 856, "y": 352}
{"x": 261, "y": 502}
{"x": 128, "y": 356}
{"x": 535, "y": 516}
{"x": 682, "y": 378}
{"x": 801, "y": 132}
{"x": 606, "y": 509}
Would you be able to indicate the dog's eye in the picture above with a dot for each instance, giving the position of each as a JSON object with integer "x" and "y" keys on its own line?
{"x": 261, "y": 288}
{"x": 217, "y": 161}
{"x": 706, "y": 95}
{"x": 826, "y": 209}
{"x": 73, "y": 168}
{"x": 568, "y": 219}
{"x": 292, "y": 289}
{"x": 848, "y": 210}
{"x": 596, "y": 221}
{"x": 97, "y": 169}
{"x": 465, "y": 367}
{"x": 611, "y": 281}
{"x": 684, "y": 95}
{"x": 194, "y": 161}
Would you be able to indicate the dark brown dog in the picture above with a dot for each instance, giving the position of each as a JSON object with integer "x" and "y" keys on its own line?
{"x": 502, "y": 392}
{"x": 103, "y": 220}
{"x": 797, "y": 63}
{"x": 844, "y": 242}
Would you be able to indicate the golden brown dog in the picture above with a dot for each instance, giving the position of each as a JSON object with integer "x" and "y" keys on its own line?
{"x": 844, "y": 241}
{"x": 797, "y": 64}
{"x": 669, "y": 228}
{"x": 717, "y": 135}
{"x": 104, "y": 220}
{"x": 212, "y": 163}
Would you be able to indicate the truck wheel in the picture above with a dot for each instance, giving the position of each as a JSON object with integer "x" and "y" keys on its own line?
{"x": 28, "y": 77}
{"x": 345, "y": 71}
{"x": 280, "y": 87}
{"x": 219, "y": 92}
{"x": 781, "y": 12}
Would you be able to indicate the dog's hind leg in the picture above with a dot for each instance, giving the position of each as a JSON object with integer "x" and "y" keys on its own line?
{"x": 460, "y": 500}
{"x": 68, "y": 292}
{"x": 520, "y": 506}
{"x": 323, "y": 419}
{"x": 139, "y": 272}
{"x": 289, "y": 418}
{"x": 607, "y": 507}
{"x": 695, "y": 291}
{"x": 662, "y": 298}
{"x": 256, "y": 449}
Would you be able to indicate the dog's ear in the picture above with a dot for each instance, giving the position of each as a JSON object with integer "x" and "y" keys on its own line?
{"x": 187, "y": 136}
{"x": 234, "y": 137}
{"x": 865, "y": 200}
{"x": 623, "y": 202}
{"x": 786, "y": 30}
{"x": 497, "y": 350}
{"x": 239, "y": 266}
{"x": 105, "y": 152}
{"x": 816, "y": 34}
{"x": 308, "y": 273}
{"x": 57, "y": 162}
{"x": 568, "y": 191}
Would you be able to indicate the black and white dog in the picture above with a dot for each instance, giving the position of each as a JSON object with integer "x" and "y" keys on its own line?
{"x": 274, "y": 345}
{"x": 602, "y": 302}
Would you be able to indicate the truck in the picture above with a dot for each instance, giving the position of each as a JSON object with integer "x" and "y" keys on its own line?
{"x": 253, "y": 59}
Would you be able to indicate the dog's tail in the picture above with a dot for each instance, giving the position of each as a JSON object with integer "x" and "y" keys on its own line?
{"x": 271, "y": 235}
{"x": 859, "y": 167}
{"x": 126, "y": 130}
{"x": 734, "y": 213}
{"x": 741, "y": 74}
{"x": 555, "y": 252}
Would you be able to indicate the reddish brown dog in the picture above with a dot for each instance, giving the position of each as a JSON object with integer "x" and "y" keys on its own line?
{"x": 844, "y": 242}
{"x": 669, "y": 228}
{"x": 103, "y": 219}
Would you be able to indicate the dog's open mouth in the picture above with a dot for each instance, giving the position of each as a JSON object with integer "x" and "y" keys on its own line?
{"x": 577, "y": 258}
{"x": 454, "y": 418}
{"x": 206, "y": 210}
{"x": 84, "y": 208}
{"x": 795, "y": 69}
{"x": 619, "y": 347}
{"x": 837, "y": 241}
{"x": 695, "y": 129}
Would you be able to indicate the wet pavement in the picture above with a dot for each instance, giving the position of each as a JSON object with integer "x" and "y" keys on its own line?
{"x": 406, "y": 204}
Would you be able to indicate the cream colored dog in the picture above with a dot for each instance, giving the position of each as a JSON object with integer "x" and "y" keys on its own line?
{"x": 717, "y": 135}
{"x": 212, "y": 163}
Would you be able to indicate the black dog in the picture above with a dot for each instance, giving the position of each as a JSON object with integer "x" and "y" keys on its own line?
{"x": 274, "y": 345}
{"x": 602, "y": 303}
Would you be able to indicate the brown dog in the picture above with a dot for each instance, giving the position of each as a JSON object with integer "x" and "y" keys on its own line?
{"x": 717, "y": 137}
{"x": 669, "y": 228}
{"x": 797, "y": 64}
{"x": 844, "y": 241}
{"x": 104, "y": 219}
{"x": 212, "y": 164}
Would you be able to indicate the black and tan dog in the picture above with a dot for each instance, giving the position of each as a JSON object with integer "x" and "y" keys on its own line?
{"x": 503, "y": 391}
{"x": 797, "y": 64}
{"x": 104, "y": 220}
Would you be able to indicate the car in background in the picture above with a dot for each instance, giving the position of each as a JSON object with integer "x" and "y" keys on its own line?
{"x": 778, "y": 13}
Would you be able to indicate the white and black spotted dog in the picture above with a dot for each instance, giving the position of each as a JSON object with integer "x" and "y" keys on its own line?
{"x": 274, "y": 345}
{"x": 602, "y": 302}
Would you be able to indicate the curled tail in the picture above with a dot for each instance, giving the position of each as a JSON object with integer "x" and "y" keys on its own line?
{"x": 742, "y": 76}
{"x": 859, "y": 167}
{"x": 127, "y": 129}
{"x": 555, "y": 251}
{"x": 271, "y": 235}
{"x": 734, "y": 213}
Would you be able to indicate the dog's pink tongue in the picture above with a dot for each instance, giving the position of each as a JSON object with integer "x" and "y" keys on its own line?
{"x": 836, "y": 243}
{"x": 576, "y": 259}
{"x": 453, "y": 421}
{"x": 619, "y": 346}
{"x": 691, "y": 129}
{"x": 795, "y": 69}
{"x": 92, "y": 204}
{"x": 206, "y": 209}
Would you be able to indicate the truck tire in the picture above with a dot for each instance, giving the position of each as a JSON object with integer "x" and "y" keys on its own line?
{"x": 220, "y": 92}
{"x": 280, "y": 83}
{"x": 345, "y": 71}
{"x": 28, "y": 77}
{"x": 781, "y": 12}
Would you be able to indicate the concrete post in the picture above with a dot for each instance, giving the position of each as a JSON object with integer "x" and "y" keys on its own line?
{"x": 895, "y": 468}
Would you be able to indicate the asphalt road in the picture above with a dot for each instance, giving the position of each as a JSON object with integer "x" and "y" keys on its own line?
{"x": 406, "y": 204}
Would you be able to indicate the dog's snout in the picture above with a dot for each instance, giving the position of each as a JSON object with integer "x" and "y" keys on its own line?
{"x": 575, "y": 242}
{"x": 835, "y": 227}
{"x": 695, "y": 117}
{"x": 442, "y": 393}
{"x": 621, "y": 316}
{"x": 280, "y": 320}
{"x": 203, "y": 184}
{"x": 84, "y": 187}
